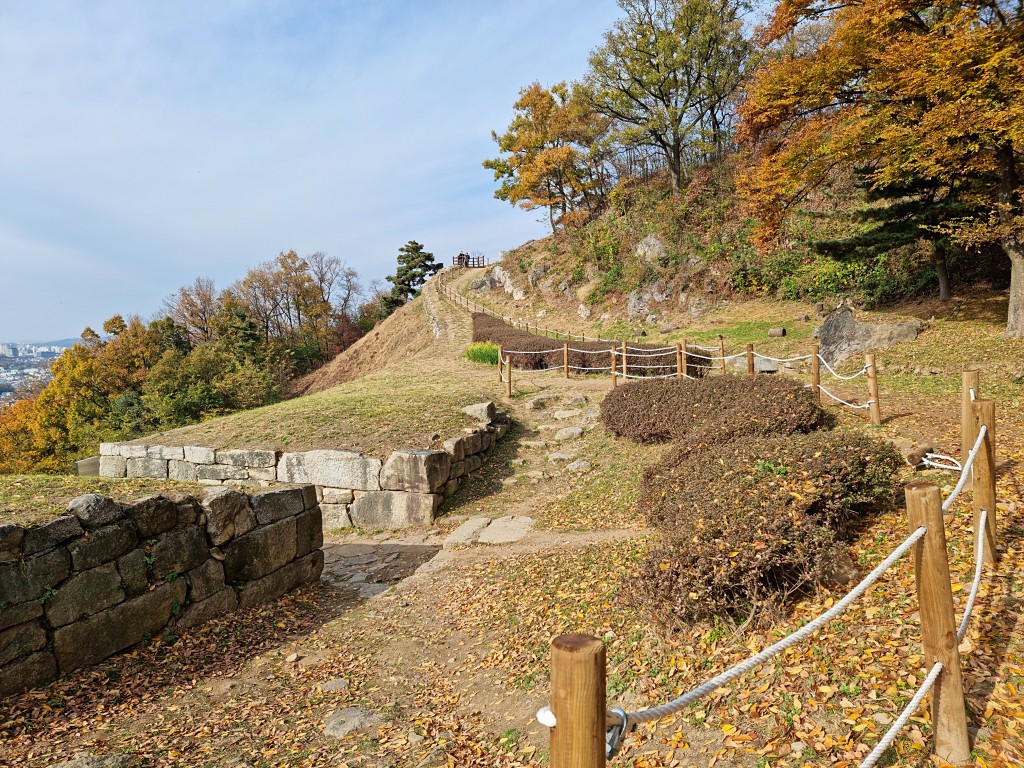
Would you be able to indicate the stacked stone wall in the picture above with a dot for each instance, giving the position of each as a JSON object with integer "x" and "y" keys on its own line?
{"x": 353, "y": 489}
{"x": 107, "y": 575}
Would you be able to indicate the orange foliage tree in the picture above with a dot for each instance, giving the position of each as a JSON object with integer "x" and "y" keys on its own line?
{"x": 911, "y": 91}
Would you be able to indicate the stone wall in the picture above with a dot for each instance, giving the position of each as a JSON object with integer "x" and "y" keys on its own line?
{"x": 353, "y": 489}
{"x": 107, "y": 575}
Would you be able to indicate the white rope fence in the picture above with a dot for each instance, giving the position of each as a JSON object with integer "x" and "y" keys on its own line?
{"x": 863, "y": 371}
{"x": 978, "y": 549}
{"x": 905, "y": 715}
{"x": 863, "y": 406}
{"x": 964, "y": 472}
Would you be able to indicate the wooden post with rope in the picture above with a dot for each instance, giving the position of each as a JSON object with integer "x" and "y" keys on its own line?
{"x": 873, "y": 409}
{"x": 816, "y": 371}
{"x": 750, "y": 359}
{"x": 679, "y": 361}
{"x": 614, "y": 382}
{"x": 971, "y": 380}
{"x": 501, "y": 376}
{"x": 625, "y": 365}
{"x": 508, "y": 378}
{"x": 565, "y": 358}
{"x": 938, "y": 622}
{"x": 721, "y": 351}
{"x": 578, "y": 701}
{"x": 984, "y": 412}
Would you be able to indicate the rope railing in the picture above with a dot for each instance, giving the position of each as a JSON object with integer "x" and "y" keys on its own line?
{"x": 781, "y": 359}
{"x": 886, "y": 741}
{"x": 976, "y": 583}
{"x": 838, "y": 375}
{"x": 861, "y": 407}
{"x": 966, "y": 469}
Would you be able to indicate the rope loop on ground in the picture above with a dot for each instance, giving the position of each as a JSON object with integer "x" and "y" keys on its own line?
{"x": 901, "y": 721}
{"x": 680, "y": 703}
{"x": 941, "y": 461}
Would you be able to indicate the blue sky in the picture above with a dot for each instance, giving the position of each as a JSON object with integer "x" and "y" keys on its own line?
{"x": 147, "y": 143}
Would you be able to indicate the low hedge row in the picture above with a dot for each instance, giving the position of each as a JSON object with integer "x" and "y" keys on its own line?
{"x": 712, "y": 409}
{"x": 532, "y": 352}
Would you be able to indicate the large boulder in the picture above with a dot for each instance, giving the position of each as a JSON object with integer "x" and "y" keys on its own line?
{"x": 651, "y": 249}
{"x": 842, "y": 336}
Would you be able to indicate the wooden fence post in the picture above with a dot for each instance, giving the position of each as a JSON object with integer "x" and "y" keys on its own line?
{"x": 984, "y": 412}
{"x": 816, "y": 371}
{"x": 938, "y": 623}
{"x": 970, "y": 380}
{"x": 721, "y": 351}
{"x": 750, "y": 359}
{"x": 500, "y": 364}
{"x": 615, "y": 383}
{"x": 873, "y": 409}
{"x": 625, "y": 365}
{"x": 679, "y": 361}
{"x": 565, "y": 358}
{"x": 577, "y": 702}
{"x": 508, "y": 378}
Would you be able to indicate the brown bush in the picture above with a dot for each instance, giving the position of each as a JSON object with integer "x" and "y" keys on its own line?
{"x": 532, "y": 352}
{"x": 711, "y": 409}
{"x": 746, "y": 523}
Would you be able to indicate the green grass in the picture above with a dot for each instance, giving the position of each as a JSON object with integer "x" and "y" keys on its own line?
{"x": 35, "y": 499}
{"x": 482, "y": 352}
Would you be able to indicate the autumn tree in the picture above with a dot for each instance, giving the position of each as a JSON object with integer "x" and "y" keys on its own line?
{"x": 666, "y": 75}
{"x": 415, "y": 266}
{"x": 193, "y": 307}
{"x": 554, "y": 153}
{"x": 916, "y": 92}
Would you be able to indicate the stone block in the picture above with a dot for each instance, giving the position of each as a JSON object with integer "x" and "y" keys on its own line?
{"x": 95, "y": 511}
{"x": 218, "y": 604}
{"x": 110, "y": 449}
{"x": 89, "y": 467}
{"x": 227, "y": 515}
{"x": 113, "y": 466}
{"x": 11, "y": 539}
{"x": 84, "y": 594}
{"x": 415, "y": 470}
{"x": 132, "y": 451}
{"x": 480, "y": 411}
{"x": 264, "y": 474}
{"x": 133, "y": 571}
{"x": 199, "y": 454}
{"x": 337, "y": 469}
{"x": 472, "y": 443}
{"x": 145, "y": 467}
{"x": 220, "y": 472}
{"x": 182, "y": 471}
{"x": 569, "y": 433}
{"x": 28, "y": 580}
{"x": 311, "y": 567}
{"x": 30, "y": 672}
{"x": 458, "y": 470}
{"x": 165, "y": 452}
{"x": 473, "y": 463}
{"x": 21, "y": 640}
{"x": 450, "y": 487}
{"x": 310, "y": 497}
{"x": 335, "y": 516}
{"x": 97, "y": 637}
{"x": 203, "y": 481}
{"x": 19, "y": 613}
{"x": 270, "y": 586}
{"x": 246, "y": 458}
{"x": 455, "y": 448}
{"x": 205, "y": 580}
{"x": 500, "y": 430}
{"x": 179, "y": 551}
{"x": 309, "y": 532}
{"x": 188, "y": 511}
{"x": 393, "y": 509}
{"x": 260, "y": 551}
{"x": 50, "y": 535}
{"x": 486, "y": 440}
{"x": 276, "y": 505}
{"x": 153, "y": 515}
{"x": 337, "y": 496}
{"x": 103, "y": 545}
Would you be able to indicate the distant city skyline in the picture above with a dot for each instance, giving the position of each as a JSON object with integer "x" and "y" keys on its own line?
{"x": 149, "y": 144}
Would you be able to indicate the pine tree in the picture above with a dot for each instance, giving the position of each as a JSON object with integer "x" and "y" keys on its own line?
{"x": 415, "y": 266}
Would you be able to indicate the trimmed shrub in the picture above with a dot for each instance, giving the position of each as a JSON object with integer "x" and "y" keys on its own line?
{"x": 747, "y": 523}
{"x": 483, "y": 352}
{"x": 712, "y": 409}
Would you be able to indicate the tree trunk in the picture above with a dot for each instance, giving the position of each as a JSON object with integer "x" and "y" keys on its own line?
{"x": 942, "y": 271}
{"x": 1015, "y": 313}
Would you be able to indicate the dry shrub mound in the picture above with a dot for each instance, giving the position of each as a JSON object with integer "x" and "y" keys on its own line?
{"x": 532, "y": 352}
{"x": 712, "y": 409}
{"x": 749, "y": 522}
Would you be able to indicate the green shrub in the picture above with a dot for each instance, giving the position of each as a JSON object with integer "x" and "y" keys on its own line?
{"x": 711, "y": 409}
{"x": 483, "y": 352}
{"x": 747, "y": 523}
